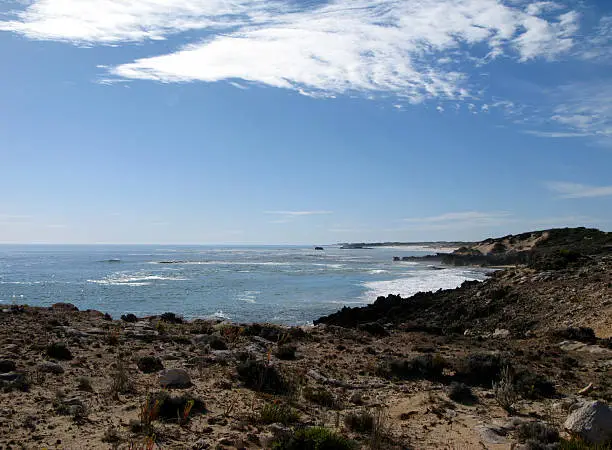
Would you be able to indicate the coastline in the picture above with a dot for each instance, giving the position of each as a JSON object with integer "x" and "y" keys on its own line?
{"x": 420, "y": 370}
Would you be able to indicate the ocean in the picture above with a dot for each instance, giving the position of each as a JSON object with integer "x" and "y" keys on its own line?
{"x": 280, "y": 284}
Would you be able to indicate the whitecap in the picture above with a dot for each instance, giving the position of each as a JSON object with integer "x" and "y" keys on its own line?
{"x": 420, "y": 281}
{"x": 221, "y": 315}
{"x": 122, "y": 279}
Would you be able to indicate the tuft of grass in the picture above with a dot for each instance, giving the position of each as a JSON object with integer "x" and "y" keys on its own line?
{"x": 278, "y": 413}
{"x": 84, "y": 384}
{"x": 120, "y": 380}
{"x": 505, "y": 390}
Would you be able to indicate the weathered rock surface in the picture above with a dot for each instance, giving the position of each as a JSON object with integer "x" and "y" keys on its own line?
{"x": 174, "y": 378}
{"x": 592, "y": 422}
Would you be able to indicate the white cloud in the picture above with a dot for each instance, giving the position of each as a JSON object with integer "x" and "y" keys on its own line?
{"x": 410, "y": 49}
{"x": 459, "y": 220}
{"x": 299, "y": 213}
{"x": 555, "y": 134}
{"x": 577, "y": 190}
{"x": 475, "y": 216}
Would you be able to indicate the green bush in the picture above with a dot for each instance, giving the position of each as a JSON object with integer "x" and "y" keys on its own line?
{"x": 314, "y": 438}
{"x": 278, "y": 413}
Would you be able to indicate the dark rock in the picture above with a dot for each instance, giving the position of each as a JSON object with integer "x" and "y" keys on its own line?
{"x": 149, "y": 364}
{"x": 170, "y": 317}
{"x": 59, "y": 350}
{"x": 6, "y": 365}
{"x": 130, "y": 318}
{"x": 64, "y": 307}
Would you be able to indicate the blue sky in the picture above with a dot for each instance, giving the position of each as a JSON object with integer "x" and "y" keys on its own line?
{"x": 209, "y": 121}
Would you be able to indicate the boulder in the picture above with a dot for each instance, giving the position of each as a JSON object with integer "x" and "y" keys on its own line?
{"x": 591, "y": 421}
{"x": 150, "y": 364}
{"x": 177, "y": 378}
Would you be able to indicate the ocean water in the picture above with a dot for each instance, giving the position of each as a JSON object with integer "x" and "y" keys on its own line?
{"x": 289, "y": 285}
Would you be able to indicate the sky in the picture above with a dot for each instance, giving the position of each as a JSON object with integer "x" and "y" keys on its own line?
{"x": 302, "y": 122}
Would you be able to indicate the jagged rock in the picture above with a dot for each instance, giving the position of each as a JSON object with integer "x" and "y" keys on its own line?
{"x": 177, "y": 378}
{"x": 50, "y": 367}
{"x": 591, "y": 421}
{"x": 150, "y": 364}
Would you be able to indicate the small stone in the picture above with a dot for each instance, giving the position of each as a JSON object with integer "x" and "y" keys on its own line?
{"x": 178, "y": 378}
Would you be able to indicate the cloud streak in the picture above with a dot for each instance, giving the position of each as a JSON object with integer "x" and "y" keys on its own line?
{"x": 577, "y": 190}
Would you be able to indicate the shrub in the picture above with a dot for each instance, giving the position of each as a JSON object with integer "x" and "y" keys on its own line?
{"x": 421, "y": 367}
{"x": 264, "y": 377}
{"x": 505, "y": 391}
{"x": 149, "y": 364}
{"x": 59, "y": 350}
{"x": 120, "y": 380}
{"x": 84, "y": 384}
{"x": 362, "y": 422}
{"x": 320, "y": 396}
{"x": 461, "y": 393}
{"x": 533, "y": 386}
{"x": 314, "y": 438}
{"x": 537, "y": 435}
{"x": 581, "y": 334}
{"x": 480, "y": 369}
{"x": 577, "y": 444}
{"x": 286, "y": 352}
{"x": 278, "y": 413}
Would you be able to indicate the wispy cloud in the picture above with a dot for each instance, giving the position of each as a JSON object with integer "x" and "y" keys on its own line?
{"x": 415, "y": 50}
{"x": 577, "y": 190}
{"x": 14, "y": 219}
{"x": 471, "y": 216}
{"x": 299, "y": 213}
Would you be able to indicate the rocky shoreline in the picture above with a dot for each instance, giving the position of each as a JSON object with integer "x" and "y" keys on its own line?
{"x": 521, "y": 360}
